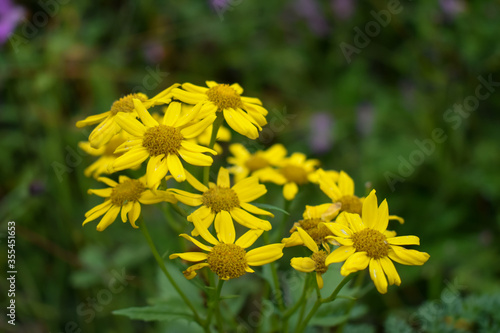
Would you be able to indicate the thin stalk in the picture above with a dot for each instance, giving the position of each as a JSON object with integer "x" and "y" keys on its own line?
{"x": 357, "y": 284}
{"x": 276, "y": 281}
{"x": 295, "y": 307}
{"x": 320, "y": 301}
{"x": 215, "y": 129}
{"x": 163, "y": 268}
{"x": 218, "y": 315}
{"x": 281, "y": 226}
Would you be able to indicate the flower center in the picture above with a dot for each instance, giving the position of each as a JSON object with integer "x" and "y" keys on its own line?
{"x": 126, "y": 104}
{"x": 294, "y": 174}
{"x": 319, "y": 259}
{"x": 351, "y": 204}
{"x": 373, "y": 242}
{"x": 256, "y": 162}
{"x": 162, "y": 139}
{"x": 315, "y": 230}
{"x": 129, "y": 190}
{"x": 220, "y": 198}
{"x": 224, "y": 97}
{"x": 227, "y": 261}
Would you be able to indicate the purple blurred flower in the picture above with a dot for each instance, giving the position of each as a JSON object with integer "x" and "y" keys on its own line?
{"x": 310, "y": 10}
{"x": 10, "y": 15}
{"x": 154, "y": 51}
{"x": 365, "y": 117}
{"x": 343, "y": 9}
{"x": 452, "y": 8}
{"x": 321, "y": 138}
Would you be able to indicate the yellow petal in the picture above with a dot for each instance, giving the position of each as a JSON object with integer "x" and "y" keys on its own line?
{"x": 94, "y": 119}
{"x": 340, "y": 254}
{"x": 224, "y": 227}
{"x": 290, "y": 191}
{"x": 97, "y": 211}
{"x": 197, "y": 242}
{"x": 156, "y": 170}
{"x": 108, "y": 218}
{"x": 265, "y": 254}
{"x": 190, "y": 272}
{"x": 176, "y": 168}
{"x": 249, "y": 189}
{"x": 397, "y": 218}
{"x": 370, "y": 210}
{"x": 195, "y": 182}
{"x": 308, "y": 241}
{"x": 192, "y": 158}
{"x": 251, "y": 100}
{"x": 202, "y": 229}
{"x": 146, "y": 118}
{"x": 125, "y": 209}
{"x": 107, "y": 181}
{"x": 319, "y": 280}
{"x": 382, "y": 217}
{"x": 353, "y": 221}
{"x": 390, "y": 271}
{"x": 378, "y": 276}
{"x": 103, "y": 193}
{"x": 130, "y": 160}
{"x": 255, "y": 210}
{"x": 248, "y": 238}
{"x": 187, "y": 198}
{"x": 189, "y": 97}
{"x": 172, "y": 114}
{"x": 249, "y": 221}
{"x": 237, "y": 88}
{"x": 356, "y": 262}
{"x": 196, "y": 129}
{"x": 293, "y": 240}
{"x": 190, "y": 256}
{"x": 339, "y": 229}
{"x": 404, "y": 240}
{"x": 197, "y": 148}
{"x": 304, "y": 264}
{"x": 407, "y": 257}
{"x": 193, "y": 88}
{"x": 130, "y": 124}
{"x": 134, "y": 213}
{"x": 346, "y": 184}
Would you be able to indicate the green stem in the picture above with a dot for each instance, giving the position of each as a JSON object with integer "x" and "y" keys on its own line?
{"x": 215, "y": 129}
{"x": 357, "y": 284}
{"x": 162, "y": 266}
{"x": 218, "y": 315}
{"x": 276, "y": 281}
{"x": 171, "y": 220}
{"x": 320, "y": 301}
{"x": 281, "y": 226}
{"x": 296, "y": 306}
{"x": 179, "y": 210}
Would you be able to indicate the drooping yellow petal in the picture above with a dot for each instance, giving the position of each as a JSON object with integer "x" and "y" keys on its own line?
{"x": 308, "y": 241}
{"x": 97, "y": 211}
{"x": 255, "y": 210}
{"x": 196, "y": 129}
{"x": 202, "y": 229}
{"x": 304, "y": 264}
{"x": 319, "y": 280}
{"x": 130, "y": 160}
{"x": 94, "y": 119}
{"x": 249, "y": 221}
{"x": 125, "y": 209}
{"x": 356, "y": 262}
{"x": 265, "y": 254}
{"x": 290, "y": 190}
{"x": 108, "y": 218}
{"x": 189, "y": 256}
{"x": 390, "y": 271}
{"x": 224, "y": 227}
{"x": 407, "y": 257}
{"x": 248, "y": 238}
{"x": 146, "y": 118}
{"x": 293, "y": 240}
{"x": 156, "y": 170}
{"x": 340, "y": 254}
{"x": 134, "y": 213}
{"x": 190, "y": 272}
{"x": 107, "y": 181}
{"x": 197, "y": 242}
{"x": 176, "y": 168}
{"x": 187, "y": 198}
{"x": 130, "y": 124}
{"x": 193, "y": 158}
{"x": 378, "y": 276}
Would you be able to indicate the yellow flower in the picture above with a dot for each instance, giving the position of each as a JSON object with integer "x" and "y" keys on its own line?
{"x": 329, "y": 175}
{"x": 243, "y": 114}
{"x": 293, "y": 171}
{"x": 106, "y": 155}
{"x": 223, "y": 203}
{"x": 342, "y": 194}
{"x": 313, "y": 225}
{"x": 227, "y": 258}
{"x": 125, "y": 196}
{"x": 108, "y": 127}
{"x": 246, "y": 163}
{"x": 364, "y": 243}
{"x": 314, "y": 263}
{"x": 162, "y": 143}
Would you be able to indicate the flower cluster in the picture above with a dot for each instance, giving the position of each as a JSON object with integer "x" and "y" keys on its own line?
{"x": 350, "y": 228}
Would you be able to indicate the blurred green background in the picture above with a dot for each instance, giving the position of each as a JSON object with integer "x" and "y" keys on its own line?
{"x": 371, "y": 114}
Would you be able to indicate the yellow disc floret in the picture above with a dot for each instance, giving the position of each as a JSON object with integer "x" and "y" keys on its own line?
{"x": 129, "y": 190}
{"x": 162, "y": 139}
{"x": 294, "y": 174}
{"x": 220, "y": 198}
{"x": 317, "y": 231}
{"x": 224, "y": 97}
{"x": 228, "y": 261}
{"x": 319, "y": 260}
{"x": 373, "y": 242}
{"x": 126, "y": 104}
{"x": 351, "y": 204}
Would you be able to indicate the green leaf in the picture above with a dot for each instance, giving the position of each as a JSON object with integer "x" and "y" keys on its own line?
{"x": 270, "y": 207}
{"x": 157, "y": 312}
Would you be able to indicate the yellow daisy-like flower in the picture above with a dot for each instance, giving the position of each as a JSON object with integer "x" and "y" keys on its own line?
{"x": 106, "y": 155}
{"x": 329, "y": 175}
{"x": 162, "y": 143}
{"x": 342, "y": 194}
{"x": 313, "y": 225}
{"x": 292, "y": 172}
{"x": 223, "y": 203}
{"x": 243, "y": 114}
{"x": 108, "y": 127}
{"x": 226, "y": 257}
{"x": 365, "y": 244}
{"x": 244, "y": 163}
{"x": 316, "y": 262}
{"x": 126, "y": 197}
